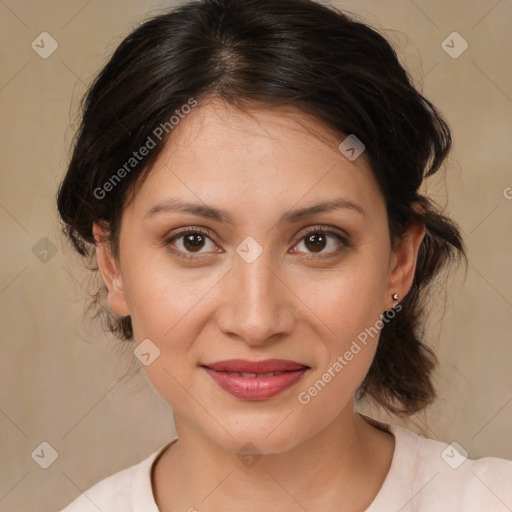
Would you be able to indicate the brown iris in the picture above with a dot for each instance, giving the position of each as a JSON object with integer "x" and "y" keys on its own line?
{"x": 317, "y": 241}
{"x": 193, "y": 241}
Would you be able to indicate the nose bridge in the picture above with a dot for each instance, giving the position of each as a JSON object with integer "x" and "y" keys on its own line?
{"x": 256, "y": 282}
{"x": 257, "y": 307}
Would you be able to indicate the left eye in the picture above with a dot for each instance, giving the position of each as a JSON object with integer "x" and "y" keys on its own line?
{"x": 317, "y": 241}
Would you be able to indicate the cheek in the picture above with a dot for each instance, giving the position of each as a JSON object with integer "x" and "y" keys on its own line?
{"x": 162, "y": 298}
{"x": 345, "y": 306}
{"x": 348, "y": 342}
{"x": 346, "y": 300}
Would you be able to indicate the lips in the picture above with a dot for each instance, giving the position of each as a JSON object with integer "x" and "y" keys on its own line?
{"x": 255, "y": 380}
{"x": 258, "y": 367}
{"x": 252, "y": 375}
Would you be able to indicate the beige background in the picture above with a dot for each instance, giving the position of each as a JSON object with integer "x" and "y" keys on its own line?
{"x": 60, "y": 379}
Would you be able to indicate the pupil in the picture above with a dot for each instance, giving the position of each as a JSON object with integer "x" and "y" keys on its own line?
{"x": 189, "y": 241}
{"x": 318, "y": 246}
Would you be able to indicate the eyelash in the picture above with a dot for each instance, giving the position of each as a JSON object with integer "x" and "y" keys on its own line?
{"x": 343, "y": 242}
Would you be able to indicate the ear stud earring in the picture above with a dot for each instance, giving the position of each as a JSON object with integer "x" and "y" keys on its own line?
{"x": 394, "y": 296}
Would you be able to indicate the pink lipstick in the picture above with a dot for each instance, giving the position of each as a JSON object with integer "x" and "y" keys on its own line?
{"x": 255, "y": 380}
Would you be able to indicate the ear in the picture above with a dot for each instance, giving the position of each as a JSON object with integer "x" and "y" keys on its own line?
{"x": 403, "y": 261}
{"x": 109, "y": 270}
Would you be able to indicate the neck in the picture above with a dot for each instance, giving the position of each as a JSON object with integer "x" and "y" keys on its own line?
{"x": 343, "y": 465}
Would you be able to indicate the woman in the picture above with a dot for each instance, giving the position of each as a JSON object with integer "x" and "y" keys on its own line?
{"x": 246, "y": 175}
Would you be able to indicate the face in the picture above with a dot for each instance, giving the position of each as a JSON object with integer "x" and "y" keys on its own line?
{"x": 243, "y": 276}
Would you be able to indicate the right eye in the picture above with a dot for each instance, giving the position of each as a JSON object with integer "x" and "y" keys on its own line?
{"x": 189, "y": 241}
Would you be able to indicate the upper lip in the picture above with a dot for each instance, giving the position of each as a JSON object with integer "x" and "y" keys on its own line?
{"x": 246, "y": 366}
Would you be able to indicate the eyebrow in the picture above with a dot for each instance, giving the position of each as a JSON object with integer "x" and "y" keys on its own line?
{"x": 210, "y": 212}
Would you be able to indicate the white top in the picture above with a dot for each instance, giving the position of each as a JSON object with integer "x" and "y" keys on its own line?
{"x": 425, "y": 476}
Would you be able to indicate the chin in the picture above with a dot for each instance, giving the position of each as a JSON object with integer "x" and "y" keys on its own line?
{"x": 257, "y": 440}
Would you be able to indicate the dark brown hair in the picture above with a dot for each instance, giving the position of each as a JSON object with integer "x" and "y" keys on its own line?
{"x": 273, "y": 53}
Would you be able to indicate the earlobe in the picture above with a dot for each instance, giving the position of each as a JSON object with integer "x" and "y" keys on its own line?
{"x": 109, "y": 270}
{"x": 405, "y": 259}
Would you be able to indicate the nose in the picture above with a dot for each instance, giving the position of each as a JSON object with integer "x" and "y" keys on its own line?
{"x": 257, "y": 305}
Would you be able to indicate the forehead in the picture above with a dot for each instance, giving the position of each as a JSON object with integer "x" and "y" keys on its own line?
{"x": 260, "y": 130}
{"x": 263, "y": 158}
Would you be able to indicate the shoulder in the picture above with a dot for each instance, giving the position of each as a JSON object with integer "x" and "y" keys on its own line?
{"x": 109, "y": 493}
{"x": 441, "y": 476}
{"x": 125, "y": 490}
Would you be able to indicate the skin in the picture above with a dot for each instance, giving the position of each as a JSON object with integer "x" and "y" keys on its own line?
{"x": 315, "y": 456}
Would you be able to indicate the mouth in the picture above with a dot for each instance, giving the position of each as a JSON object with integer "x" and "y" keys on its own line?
{"x": 255, "y": 380}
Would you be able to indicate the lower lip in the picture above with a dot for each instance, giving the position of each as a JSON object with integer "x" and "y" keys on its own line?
{"x": 255, "y": 388}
